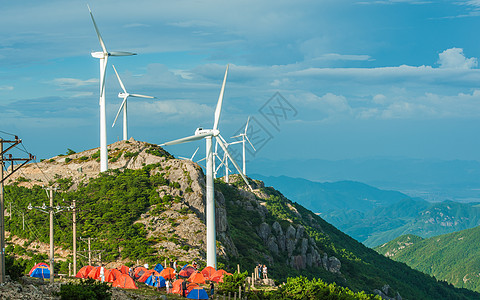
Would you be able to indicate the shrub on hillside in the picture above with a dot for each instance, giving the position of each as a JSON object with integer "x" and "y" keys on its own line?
{"x": 85, "y": 290}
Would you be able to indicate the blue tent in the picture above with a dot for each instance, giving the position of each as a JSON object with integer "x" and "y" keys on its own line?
{"x": 41, "y": 272}
{"x": 158, "y": 268}
{"x": 155, "y": 281}
{"x": 197, "y": 293}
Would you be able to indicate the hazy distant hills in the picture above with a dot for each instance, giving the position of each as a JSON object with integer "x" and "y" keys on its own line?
{"x": 454, "y": 257}
{"x": 374, "y": 216}
{"x": 430, "y": 179}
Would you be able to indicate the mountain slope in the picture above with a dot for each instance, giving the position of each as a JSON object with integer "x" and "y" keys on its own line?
{"x": 454, "y": 257}
{"x": 374, "y": 216}
{"x": 153, "y": 210}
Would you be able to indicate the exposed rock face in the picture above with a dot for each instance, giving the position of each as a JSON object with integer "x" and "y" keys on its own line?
{"x": 384, "y": 293}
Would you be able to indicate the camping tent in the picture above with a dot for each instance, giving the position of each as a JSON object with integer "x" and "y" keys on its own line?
{"x": 158, "y": 268}
{"x": 186, "y": 271}
{"x": 196, "y": 277}
{"x": 125, "y": 282}
{"x": 155, "y": 281}
{"x": 124, "y": 269}
{"x": 147, "y": 274}
{"x": 208, "y": 271}
{"x": 94, "y": 273}
{"x": 83, "y": 273}
{"x": 218, "y": 276}
{"x": 38, "y": 265}
{"x": 197, "y": 293}
{"x": 139, "y": 271}
{"x": 41, "y": 272}
{"x": 112, "y": 274}
{"x": 168, "y": 273}
{"x": 177, "y": 286}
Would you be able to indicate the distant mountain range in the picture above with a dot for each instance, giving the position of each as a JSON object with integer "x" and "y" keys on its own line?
{"x": 454, "y": 257}
{"x": 373, "y": 216}
{"x": 430, "y": 179}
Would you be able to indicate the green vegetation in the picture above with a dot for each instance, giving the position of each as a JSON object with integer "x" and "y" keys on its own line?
{"x": 88, "y": 289}
{"x": 128, "y": 154}
{"x": 362, "y": 268}
{"x": 70, "y": 151}
{"x": 453, "y": 257}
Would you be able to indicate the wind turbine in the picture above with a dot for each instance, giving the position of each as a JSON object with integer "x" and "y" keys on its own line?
{"x": 244, "y": 138}
{"x": 208, "y": 134}
{"x": 125, "y": 96}
{"x": 103, "y": 57}
{"x": 191, "y": 158}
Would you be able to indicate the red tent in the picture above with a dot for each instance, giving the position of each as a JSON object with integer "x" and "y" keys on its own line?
{"x": 196, "y": 277}
{"x": 147, "y": 274}
{"x": 94, "y": 273}
{"x": 38, "y": 265}
{"x": 83, "y": 273}
{"x": 124, "y": 269}
{"x": 125, "y": 282}
{"x": 186, "y": 271}
{"x": 168, "y": 273}
{"x": 208, "y": 271}
{"x": 218, "y": 276}
{"x": 112, "y": 274}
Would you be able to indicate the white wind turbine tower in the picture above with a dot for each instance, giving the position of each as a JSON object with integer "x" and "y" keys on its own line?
{"x": 208, "y": 134}
{"x": 103, "y": 57}
{"x": 244, "y": 138}
{"x": 125, "y": 96}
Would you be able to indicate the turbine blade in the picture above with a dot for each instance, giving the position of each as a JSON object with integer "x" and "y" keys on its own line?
{"x": 119, "y": 80}
{"x": 184, "y": 158}
{"x": 141, "y": 96}
{"x": 121, "y": 53}
{"x": 250, "y": 143}
{"x": 246, "y": 126}
{"x": 218, "y": 110}
{"x": 194, "y": 154}
{"x": 201, "y": 159}
{"x": 98, "y": 32}
{"x": 104, "y": 75}
{"x": 234, "y": 162}
{"x": 237, "y": 136}
{"x": 186, "y": 139}
{"x": 119, "y": 110}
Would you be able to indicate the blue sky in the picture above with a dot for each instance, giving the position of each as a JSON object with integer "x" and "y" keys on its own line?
{"x": 355, "y": 78}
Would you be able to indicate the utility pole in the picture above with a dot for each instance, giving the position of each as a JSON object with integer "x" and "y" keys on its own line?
{"x": 50, "y": 210}
{"x": 12, "y": 143}
{"x": 74, "y": 238}
{"x": 52, "y": 270}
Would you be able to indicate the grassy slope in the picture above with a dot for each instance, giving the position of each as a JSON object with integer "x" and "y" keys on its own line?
{"x": 453, "y": 257}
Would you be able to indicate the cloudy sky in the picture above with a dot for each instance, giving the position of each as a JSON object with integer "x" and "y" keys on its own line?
{"x": 329, "y": 79}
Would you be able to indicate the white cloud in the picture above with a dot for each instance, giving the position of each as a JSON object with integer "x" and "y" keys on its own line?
{"x": 73, "y": 82}
{"x": 346, "y": 57}
{"x": 6, "y": 88}
{"x": 454, "y": 58}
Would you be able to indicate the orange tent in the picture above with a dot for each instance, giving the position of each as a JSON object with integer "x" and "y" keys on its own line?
{"x": 208, "y": 272}
{"x": 139, "y": 271}
{"x": 147, "y": 274}
{"x": 124, "y": 269}
{"x": 218, "y": 276}
{"x": 94, "y": 273}
{"x": 168, "y": 273}
{"x": 83, "y": 273}
{"x": 112, "y": 274}
{"x": 196, "y": 277}
{"x": 177, "y": 286}
{"x": 125, "y": 282}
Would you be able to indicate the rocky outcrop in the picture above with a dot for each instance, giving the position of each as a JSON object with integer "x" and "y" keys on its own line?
{"x": 385, "y": 292}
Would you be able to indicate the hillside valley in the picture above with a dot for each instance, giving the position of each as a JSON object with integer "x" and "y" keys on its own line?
{"x": 453, "y": 257}
{"x": 374, "y": 216}
{"x": 149, "y": 207}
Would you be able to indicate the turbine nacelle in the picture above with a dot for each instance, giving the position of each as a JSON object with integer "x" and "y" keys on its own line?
{"x": 207, "y": 132}
{"x": 123, "y": 95}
